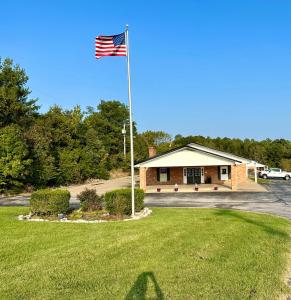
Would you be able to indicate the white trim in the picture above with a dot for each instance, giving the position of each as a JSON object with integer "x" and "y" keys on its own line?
{"x": 202, "y": 175}
{"x": 221, "y": 153}
{"x": 184, "y": 175}
{"x": 186, "y": 156}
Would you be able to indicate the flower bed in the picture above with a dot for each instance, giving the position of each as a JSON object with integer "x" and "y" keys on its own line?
{"x": 71, "y": 218}
{"x": 53, "y": 205}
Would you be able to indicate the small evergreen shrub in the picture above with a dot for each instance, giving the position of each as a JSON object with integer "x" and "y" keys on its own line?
{"x": 118, "y": 202}
{"x": 89, "y": 200}
{"x": 50, "y": 202}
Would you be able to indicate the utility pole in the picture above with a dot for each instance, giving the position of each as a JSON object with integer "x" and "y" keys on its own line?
{"x": 123, "y": 131}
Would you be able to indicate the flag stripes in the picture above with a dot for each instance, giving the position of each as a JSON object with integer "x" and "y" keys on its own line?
{"x": 113, "y": 45}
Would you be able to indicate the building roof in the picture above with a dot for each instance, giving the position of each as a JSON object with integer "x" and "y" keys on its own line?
{"x": 194, "y": 154}
{"x": 225, "y": 154}
{"x": 187, "y": 156}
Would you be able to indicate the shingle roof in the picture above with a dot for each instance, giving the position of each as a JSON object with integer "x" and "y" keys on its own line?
{"x": 189, "y": 147}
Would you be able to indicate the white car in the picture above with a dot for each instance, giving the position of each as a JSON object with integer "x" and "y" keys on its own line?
{"x": 275, "y": 173}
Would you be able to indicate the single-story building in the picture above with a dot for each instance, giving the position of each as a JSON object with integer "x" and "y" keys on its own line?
{"x": 194, "y": 164}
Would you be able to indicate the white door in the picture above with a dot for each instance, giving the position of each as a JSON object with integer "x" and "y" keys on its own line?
{"x": 202, "y": 175}
{"x": 185, "y": 175}
{"x": 224, "y": 173}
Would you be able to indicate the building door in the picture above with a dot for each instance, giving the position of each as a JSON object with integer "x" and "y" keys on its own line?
{"x": 190, "y": 175}
{"x": 197, "y": 175}
{"x": 224, "y": 173}
{"x": 193, "y": 175}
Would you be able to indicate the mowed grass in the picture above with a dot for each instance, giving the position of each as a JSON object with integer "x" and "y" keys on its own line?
{"x": 173, "y": 254}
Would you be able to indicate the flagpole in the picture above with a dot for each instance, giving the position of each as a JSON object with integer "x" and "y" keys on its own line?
{"x": 130, "y": 123}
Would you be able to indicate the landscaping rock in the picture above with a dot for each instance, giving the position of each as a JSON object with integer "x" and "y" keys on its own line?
{"x": 142, "y": 214}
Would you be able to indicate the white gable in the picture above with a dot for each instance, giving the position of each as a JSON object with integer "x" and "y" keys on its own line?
{"x": 186, "y": 158}
{"x": 214, "y": 151}
{"x": 249, "y": 162}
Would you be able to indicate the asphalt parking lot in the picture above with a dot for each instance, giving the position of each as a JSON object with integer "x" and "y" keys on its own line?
{"x": 277, "y": 200}
{"x": 280, "y": 189}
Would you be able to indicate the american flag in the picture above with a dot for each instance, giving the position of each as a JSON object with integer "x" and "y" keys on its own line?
{"x": 111, "y": 45}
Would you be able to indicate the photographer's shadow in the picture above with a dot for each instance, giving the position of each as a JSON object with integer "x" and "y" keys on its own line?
{"x": 139, "y": 289}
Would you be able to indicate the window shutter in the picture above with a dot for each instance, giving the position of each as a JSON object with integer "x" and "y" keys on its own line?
{"x": 168, "y": 174}
{"x": 218, "y": 173}
{"x": 158, "y": 174}
{"x": 229, "y": 172}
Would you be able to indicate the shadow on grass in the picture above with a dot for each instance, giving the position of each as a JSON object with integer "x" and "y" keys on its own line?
{"x": 270, "y": 230}
{"x": 139, "y": 289}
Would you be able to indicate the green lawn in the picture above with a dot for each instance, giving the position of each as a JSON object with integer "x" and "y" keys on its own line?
{"x": 173, "y": 254}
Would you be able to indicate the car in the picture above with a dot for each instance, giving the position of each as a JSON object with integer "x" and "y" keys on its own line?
{"x": 275, "y": 173}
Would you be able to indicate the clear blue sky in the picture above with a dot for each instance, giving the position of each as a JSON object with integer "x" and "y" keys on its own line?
{"x": 218, "y": 68}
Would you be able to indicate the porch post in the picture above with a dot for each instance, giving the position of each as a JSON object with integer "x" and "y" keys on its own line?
{"x": 234, "y": 177}
{"x": 143, "y": 178}
{"x": 255, "y": 170}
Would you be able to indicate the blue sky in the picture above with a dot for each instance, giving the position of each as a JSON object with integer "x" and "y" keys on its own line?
{"x": 217, "y": 68}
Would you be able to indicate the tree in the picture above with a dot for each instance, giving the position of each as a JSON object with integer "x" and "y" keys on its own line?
{"x": 108, "y": 122}
{"x": 156, "y": 138}
{"x": 14, "y": 160}
{"x": 15, "y": 108}
{"x": 286, "y": 164}
{"x": 94, "y": 158}
{"x": 44, "y": 169}
{"x": 159, "y": 139}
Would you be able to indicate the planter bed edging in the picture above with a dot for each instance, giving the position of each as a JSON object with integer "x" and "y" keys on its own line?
{"x": 139, "y": 215}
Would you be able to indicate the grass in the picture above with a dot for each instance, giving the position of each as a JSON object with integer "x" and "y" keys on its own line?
{"x": 260, "y": 180}
{"x": 173, "y": 254}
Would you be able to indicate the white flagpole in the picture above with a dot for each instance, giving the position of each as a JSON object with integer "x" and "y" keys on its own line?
{"x": 130, "y": 124}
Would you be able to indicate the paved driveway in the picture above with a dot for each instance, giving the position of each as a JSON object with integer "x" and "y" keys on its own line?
{"x": 277, "y": 200}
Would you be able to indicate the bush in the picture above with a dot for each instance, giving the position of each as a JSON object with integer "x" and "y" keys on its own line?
{"x": 50, "y": 202}
{"x": 89, "y": 200}
{"x": 118, "y": 202}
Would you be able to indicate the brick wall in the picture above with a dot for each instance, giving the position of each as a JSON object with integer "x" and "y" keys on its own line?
{"x": 176, "y": 176}
{"x": 148, "y": 176}
{"x": 212, "y": 172}
{"x": 241, "y": 173}
{"x": 234, "y": 177}
{"x": 142, "y": 178}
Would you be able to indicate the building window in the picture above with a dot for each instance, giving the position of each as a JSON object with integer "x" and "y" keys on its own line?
{"x": 163, "y": 174}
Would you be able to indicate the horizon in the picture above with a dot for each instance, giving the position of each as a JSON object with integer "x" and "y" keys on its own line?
{"x": 230, "y": 76}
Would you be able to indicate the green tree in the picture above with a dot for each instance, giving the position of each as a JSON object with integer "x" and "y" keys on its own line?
{"x": 44, "y": 168}
{"x": 15, "y": 108}
{"x": 94, "y": 158}
{"x": 286, "y": 164}
{"x": 108, "y": 122}
{"x": 159, "y": 139}
{"x": 14, "y": 160}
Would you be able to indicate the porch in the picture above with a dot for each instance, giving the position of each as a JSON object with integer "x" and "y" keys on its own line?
{"x": 247, "y": 186}
{"x": 205, "y": 177}
{"x": 189, "y": 188}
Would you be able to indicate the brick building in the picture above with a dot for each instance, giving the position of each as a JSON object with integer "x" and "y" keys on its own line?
{"x": 194, "y": 164}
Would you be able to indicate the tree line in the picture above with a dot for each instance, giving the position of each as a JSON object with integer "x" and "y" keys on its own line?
{"x": 61, "y": 146}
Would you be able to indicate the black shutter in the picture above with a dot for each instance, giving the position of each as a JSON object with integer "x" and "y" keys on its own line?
{"x": 168, "y": 174}
{"x": 218, "y": 172}
{"x": 229, "y": 172}
{"x": 158, "y": 174}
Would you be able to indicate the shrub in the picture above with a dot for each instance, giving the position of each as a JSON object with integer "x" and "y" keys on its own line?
{"x": 50, "y": 202}
{"x": 89, "y": 200}
{"x": 118, "y": 202}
